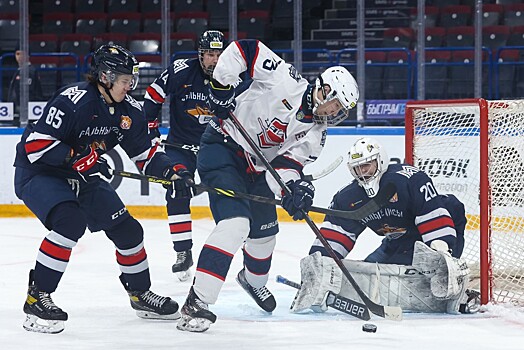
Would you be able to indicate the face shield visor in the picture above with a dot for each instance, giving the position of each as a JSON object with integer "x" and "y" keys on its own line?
{"x": 331, "y": 111}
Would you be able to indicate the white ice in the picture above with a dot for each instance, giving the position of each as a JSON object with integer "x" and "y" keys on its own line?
{"x": 100, "y": 316}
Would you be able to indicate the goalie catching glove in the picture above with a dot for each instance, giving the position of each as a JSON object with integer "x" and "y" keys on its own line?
{"x": 448, "y": 275}
{"x": 182, "y": 185}
{"x": 90, "y": 165}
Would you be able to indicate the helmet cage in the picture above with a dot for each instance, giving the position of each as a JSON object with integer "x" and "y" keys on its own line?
{"x": 210, "y": 41}
{"x": 342, "y": 88}
{"x": 365, "y": 151}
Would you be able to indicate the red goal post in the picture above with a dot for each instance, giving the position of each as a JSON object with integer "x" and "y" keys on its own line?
{"x": 474, "y": 149}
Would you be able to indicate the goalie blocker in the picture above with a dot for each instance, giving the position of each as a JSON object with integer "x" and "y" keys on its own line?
{"x": 435, "y": 283}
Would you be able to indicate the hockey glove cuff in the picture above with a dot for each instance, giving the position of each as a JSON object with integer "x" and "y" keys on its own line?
{"x": 221, "y": 99}
{"x": 90, "y": 165}
{"x": 182, "y": 185}
{"x": 153, "y": 126}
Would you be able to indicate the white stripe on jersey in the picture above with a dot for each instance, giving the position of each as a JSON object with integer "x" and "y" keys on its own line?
{"x": 337, "y": 247}
{"x": 158, "y": 90}
{"x": 143, "y": 157}
{"x": 34, "y": 136}
{"x": 446, "y": 231}
{"x": 432, "y": 215}
{"x": 330, "y": 226}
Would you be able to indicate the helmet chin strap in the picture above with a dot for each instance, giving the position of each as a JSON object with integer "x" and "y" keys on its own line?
{"x": 107, "y": 91}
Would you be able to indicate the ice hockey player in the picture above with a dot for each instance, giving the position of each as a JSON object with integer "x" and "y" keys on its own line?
{"x": 417, "y": 266}
{"x": 288, "y": 118}
{"x": 186, "y": 82}
{"x": 58, "y": 172}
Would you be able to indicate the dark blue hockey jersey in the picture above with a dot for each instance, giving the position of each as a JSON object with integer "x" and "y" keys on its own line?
{"x": 186, "y": 83}
{"x": 76, "y": 117}
{"x": 416, "y": 209}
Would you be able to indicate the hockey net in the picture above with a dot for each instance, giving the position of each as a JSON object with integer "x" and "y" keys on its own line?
{"x": 474, "y": 149}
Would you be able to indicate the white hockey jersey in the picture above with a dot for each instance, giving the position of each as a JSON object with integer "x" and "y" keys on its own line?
{"x": 275, "y": 109}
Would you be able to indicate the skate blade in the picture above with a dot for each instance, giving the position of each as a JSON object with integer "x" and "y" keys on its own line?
{"x": 33, "y": 323}
{"x": 190, "y": 324}
{"x": 149, "y": 315}
{"x": 183, "y": 275}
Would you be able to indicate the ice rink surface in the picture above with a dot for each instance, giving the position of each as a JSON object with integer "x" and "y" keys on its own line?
{"x": 100, "y": 316}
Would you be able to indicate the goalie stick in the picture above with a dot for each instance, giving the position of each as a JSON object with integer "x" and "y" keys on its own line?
{"x": 369, "y": 208}
{"x": 336, "y": 302}
{"x": 388, "y": 312}
{"x": 309, "y": 177}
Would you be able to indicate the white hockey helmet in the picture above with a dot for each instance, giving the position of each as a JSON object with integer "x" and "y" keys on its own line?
{"x": 339, "y": 88}
{"x": 367, "y": 162}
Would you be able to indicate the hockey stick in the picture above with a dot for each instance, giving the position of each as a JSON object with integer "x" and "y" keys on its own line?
{"x": 310, "y": 177}
{"x": 336, "y": 301}
{"x": 331, "y": 167}
{"x": 187, "y": 147}
{"x": 388, "y": 312}
{"x": 372, "y": 206}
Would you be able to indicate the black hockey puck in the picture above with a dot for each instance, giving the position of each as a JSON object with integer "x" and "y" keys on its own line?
{"x": 369, "y": 327}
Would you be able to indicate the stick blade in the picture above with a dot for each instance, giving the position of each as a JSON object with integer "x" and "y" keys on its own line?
{"x": 393, "y": 313}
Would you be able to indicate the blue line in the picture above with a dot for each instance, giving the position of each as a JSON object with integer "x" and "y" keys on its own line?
{"x": 11, "y": 131}
{"x": 331, "y": 131}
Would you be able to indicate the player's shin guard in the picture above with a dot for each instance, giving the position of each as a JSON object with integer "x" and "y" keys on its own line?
{"x": 216, "y": 256}
{"x": 42, "y": 315}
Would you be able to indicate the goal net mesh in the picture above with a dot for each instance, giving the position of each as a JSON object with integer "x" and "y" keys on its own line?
{"x": 446, "y": 145}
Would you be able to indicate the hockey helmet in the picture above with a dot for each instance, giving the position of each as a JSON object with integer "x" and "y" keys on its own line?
{"x": 340, "y": 92}
{"x": 367, "y": 162}
{"x": 210, "y": 40}
{"x": 114, "y": 60}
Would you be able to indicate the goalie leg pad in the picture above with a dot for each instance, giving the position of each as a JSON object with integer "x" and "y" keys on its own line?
{"x": 320, "y": 275}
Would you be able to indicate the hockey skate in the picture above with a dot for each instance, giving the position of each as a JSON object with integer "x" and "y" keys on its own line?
{"x": 184, "y": 260}
{"x": 196, "y": 316}
{"x": 149, "y": 305}
{"x": 262, "y": 295}
{"x": 42, "y": 315}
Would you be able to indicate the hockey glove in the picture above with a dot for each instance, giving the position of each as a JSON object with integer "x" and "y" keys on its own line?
{"x": 153, "y": 125}
{"x": 221, "y": 99}
{"x": 301, "y": 197}
{"x": 182, "y": 185}
{"x": 90, "y": 165}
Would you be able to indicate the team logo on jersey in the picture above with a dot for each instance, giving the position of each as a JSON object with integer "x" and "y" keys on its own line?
{"x": 74, "y": 93}
{"x": 202, "y": 114}
{"x": 125, "y": 122}
{"x": 391, "y": 231}
{"x": 272, "y": 135}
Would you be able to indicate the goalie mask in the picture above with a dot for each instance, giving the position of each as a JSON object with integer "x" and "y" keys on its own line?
{"x": 209, "y": 42}
{"x": 368, "y": 161}
{"x": 339, "y": 92}
{"x": 111, "y": 61}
